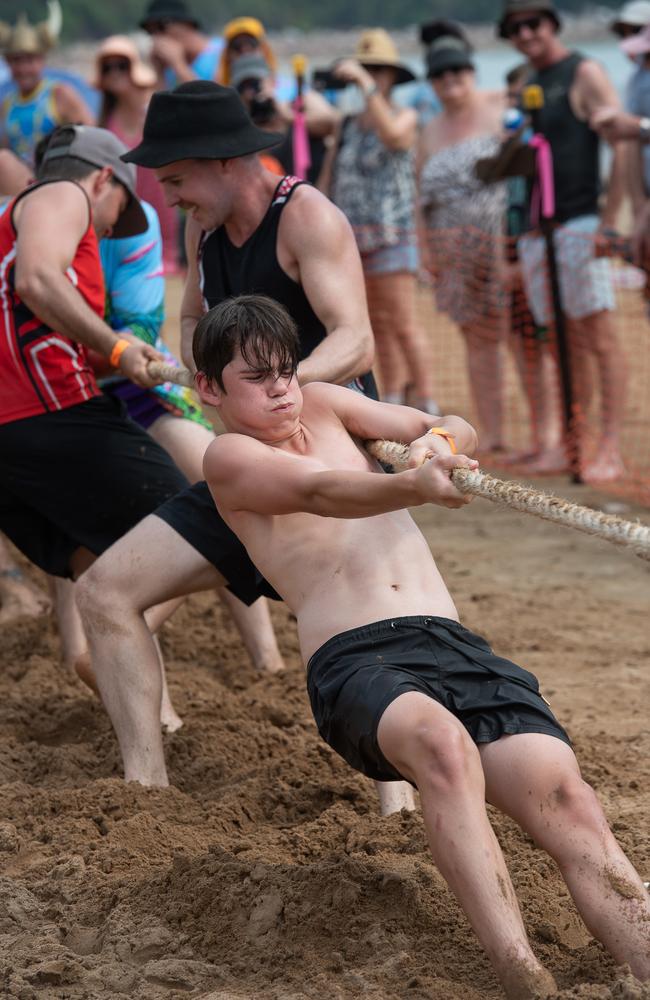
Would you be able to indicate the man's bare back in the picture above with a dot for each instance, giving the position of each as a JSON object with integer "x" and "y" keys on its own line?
{"x": 334, "y": 573}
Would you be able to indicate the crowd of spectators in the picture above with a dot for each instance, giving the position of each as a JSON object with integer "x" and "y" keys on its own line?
{"x": 423, "y": 180}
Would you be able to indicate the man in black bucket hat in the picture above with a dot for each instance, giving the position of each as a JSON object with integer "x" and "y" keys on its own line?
{"x": 247, "y": 232}
{"x": 574, "y": 89}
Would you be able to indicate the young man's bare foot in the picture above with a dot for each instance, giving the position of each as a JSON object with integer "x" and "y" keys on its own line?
{"x": 19, "y": 598}
{"x": 522, "y": 980}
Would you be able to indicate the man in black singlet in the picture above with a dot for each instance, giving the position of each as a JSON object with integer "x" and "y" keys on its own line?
{"x": 247, "y": 232}
{"x": 574, "y": 89}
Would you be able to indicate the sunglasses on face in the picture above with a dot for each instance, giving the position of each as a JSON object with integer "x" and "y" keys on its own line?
{"x": 239, "y": 45}
{"x": 156, "y": 27}
{"x": 454, "y": 70}
{"x": 513, "y": 28}
{"x": 116, "y": 65}
{"x": 627, "y": 30}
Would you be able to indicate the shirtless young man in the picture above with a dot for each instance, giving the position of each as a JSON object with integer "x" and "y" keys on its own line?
{"x": 398, "y": 687}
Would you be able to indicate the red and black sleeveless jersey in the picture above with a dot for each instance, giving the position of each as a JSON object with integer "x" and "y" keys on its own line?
{"x": 42, "y": 370}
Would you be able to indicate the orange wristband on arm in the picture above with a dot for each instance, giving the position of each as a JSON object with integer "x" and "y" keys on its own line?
{"x": 449, "y": 438}
{"x": 118, "y": 351}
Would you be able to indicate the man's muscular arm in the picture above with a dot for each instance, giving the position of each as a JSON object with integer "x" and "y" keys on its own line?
{"x": 593, "y": 91}
{"x": 192, "y": 305}
{"x": 318, "y": 237}
{"x": 245, "y": 475}
{"x": 45, "y": 249}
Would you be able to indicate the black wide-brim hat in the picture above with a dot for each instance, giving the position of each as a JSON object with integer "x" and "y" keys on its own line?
{"x": 527, "y": 7}
{"x": 198, "y": 121}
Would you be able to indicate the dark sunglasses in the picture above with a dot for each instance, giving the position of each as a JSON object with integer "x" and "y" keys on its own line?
{"x": 155, "y": 27}
{"x": 117, "y": 65}
{"x": 627, "y": 30}
{"x": 439, "y": 73}
{"x": 513, "y": 28}
{"x": 239, "y": 45}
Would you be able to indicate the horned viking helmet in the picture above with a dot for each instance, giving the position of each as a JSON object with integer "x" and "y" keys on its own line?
{"x": 33, "y": 39}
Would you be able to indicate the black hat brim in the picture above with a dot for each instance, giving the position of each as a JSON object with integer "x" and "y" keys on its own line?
{"x": 132, "y": 221}
{"x": 161, "y": 152}
{"x": 448, "y": 60}
{"x": 402, "y": 73}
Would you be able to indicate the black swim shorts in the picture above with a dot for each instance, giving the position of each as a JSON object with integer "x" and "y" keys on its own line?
{"x": 193, "y": 515}
{"x": 81, "y": 476}
{"x": 353, "y": 678}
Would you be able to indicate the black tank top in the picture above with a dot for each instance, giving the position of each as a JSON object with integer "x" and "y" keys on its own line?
{"x": 575, "y": 147}
{"x": 253, "y": 269}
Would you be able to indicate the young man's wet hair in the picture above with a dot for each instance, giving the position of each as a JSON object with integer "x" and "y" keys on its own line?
{"x": 260, "y": 327}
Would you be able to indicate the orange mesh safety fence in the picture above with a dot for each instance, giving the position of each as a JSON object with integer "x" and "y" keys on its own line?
{"x": 473, "y": 326}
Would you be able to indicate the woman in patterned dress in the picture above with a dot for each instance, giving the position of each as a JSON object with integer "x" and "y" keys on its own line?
{"x": 369, "y": 174}
{"x": 463, "y": 221}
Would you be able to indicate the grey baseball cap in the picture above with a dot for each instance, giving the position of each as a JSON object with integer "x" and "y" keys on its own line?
{"x": 251, "y": 67}
{"x": 101, "y": 148}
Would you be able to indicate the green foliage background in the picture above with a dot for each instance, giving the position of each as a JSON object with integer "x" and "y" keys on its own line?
{"x": 92, "y": 19}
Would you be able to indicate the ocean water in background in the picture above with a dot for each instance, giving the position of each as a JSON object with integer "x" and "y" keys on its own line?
{"x": 493, "y": 64}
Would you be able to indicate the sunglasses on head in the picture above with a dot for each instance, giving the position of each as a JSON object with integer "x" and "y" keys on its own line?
{"x": 117, "y": 65}
{"x": 239, "y": 45}
{"x": 513, "y": 28}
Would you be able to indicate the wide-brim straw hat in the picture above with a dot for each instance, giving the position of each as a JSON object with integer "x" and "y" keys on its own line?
{"x": 119, "y": 45}
{"x": 377, "y": 48}
{"x": 200, "y": 120}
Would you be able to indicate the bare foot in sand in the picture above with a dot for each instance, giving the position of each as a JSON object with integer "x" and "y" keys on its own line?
{"x": 551, "y": 461}
{"x": 523, "y": 981}
{"x": 19, "y": 598}
{"x": 606, "y": 466}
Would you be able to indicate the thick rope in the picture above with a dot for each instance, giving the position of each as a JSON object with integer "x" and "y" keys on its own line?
{"x": 613, "y": 529}
{"x": 170, "y": 373}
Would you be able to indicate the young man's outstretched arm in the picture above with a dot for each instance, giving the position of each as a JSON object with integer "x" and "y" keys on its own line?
{"x": 246, "y": 475}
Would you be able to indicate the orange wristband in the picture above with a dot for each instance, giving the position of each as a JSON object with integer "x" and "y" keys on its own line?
{"x": 118, "y": 351}
{"x": 449, "y": 438}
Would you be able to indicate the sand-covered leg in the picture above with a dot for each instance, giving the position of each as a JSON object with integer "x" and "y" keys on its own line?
{"x": 426, "y": 743}
{"x": 536, "y": 779}
{"x": 149, "y": 566}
